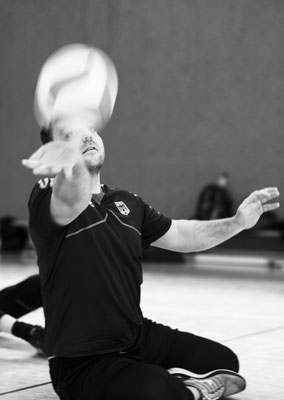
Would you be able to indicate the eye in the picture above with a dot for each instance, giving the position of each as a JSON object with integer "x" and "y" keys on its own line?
{"x": 67, "y": 134}
{"x": 93, "y": 129}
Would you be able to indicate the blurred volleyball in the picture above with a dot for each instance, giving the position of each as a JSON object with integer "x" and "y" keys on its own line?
{"x": 74, "y": 79}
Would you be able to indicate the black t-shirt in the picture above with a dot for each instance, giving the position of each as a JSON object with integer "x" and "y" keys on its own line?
{"x": 91, "y": 270}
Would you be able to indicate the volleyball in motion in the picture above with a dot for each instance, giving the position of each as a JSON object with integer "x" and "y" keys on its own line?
{"x": 74, "y": 79}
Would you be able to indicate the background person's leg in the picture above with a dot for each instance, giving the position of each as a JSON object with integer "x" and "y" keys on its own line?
{"x": 33, "y": 334}
{"x": 22, "y": 298}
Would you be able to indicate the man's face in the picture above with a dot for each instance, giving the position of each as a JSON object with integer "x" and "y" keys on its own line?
{"x": 82, "y": 128}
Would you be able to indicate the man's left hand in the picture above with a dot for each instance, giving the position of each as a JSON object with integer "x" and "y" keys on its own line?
{"x": 255, "y": 205}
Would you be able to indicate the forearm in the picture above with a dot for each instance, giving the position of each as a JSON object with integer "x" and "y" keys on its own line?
{"x": 74, "y": 189}
{"x": 194, "y": 235}
{"x": 70, "y": 195}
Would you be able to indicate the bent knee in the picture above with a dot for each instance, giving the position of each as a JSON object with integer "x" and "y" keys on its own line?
{"x": 234, "y": 362}
{"x": 166, "y": 387}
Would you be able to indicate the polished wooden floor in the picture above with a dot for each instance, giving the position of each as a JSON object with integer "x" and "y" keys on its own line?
{"x": 237, "y": 301}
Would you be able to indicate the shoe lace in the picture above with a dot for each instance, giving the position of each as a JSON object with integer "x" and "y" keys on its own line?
{"x": 211, "y": 389}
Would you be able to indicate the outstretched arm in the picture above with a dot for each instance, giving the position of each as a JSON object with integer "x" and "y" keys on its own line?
{"x": 72, "y": 186}
{"x": 193, "y": 235}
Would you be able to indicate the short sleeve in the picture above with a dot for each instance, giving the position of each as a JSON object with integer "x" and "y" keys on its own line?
{"x": 154, "y": 225}
{"x": 40, "y": 219}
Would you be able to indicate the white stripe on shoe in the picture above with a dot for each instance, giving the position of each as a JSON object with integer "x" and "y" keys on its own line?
{"x": 212, "y": 385}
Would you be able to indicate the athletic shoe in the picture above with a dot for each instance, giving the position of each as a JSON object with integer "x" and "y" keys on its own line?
{"x": 214, "y": 384}
{"x": 37, "y": 339}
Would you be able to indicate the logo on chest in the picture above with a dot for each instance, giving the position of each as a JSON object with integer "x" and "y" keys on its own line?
{"x": 122, "y": 207}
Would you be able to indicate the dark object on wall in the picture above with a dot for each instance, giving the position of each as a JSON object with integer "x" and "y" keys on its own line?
{"x": 14, "y": 235}
{"x": 215, "y": 201}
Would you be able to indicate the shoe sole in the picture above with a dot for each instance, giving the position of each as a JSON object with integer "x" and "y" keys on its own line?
{"x": 230, "y": 388}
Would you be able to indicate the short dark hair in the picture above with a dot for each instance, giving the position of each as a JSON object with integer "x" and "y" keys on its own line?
{"x": 46, "y": 135}
{"x": 225, "y": 175}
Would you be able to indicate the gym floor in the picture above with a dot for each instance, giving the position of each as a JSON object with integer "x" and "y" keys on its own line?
{"x": 235, "y": 300}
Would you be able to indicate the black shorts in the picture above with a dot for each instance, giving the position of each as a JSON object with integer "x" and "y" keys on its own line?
{"x": 141, "y": 372}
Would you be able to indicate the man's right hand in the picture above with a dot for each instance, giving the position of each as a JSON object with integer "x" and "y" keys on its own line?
{"x": 54, "y": 157}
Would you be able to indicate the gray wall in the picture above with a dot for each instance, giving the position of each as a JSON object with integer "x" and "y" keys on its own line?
{"x": 201, "y": 92}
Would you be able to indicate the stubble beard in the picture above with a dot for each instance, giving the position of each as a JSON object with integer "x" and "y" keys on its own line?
{"x": 95, "y": 167}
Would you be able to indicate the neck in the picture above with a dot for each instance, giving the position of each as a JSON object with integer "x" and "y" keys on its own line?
{"x": 96, "y": 182}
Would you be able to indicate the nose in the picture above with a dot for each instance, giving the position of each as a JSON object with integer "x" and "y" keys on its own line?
{"x": 88, "y": 138}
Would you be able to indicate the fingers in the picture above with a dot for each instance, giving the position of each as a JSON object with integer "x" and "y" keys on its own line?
{"x": 31, "y": 164}
{"x": 272, "y": 192}
{"x": 51, "y": 158}
{"x": 270, "y": 207}
{"x": 265, "y": 194}
{"x": 35, "y": 159}
{"x": 47, "y": 171}
{"x": 40, "y": 169}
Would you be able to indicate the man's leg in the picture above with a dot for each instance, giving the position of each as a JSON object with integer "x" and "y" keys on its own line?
{"x": 201, "y": 355}
{"x": 205, "y": 365}
{"x": 141, "y": 381}
{"x": 114, "y": 377}
{"x": 202, "y": 364}
{"x": 161, "y": 345}
{"x": 22, "y": 298}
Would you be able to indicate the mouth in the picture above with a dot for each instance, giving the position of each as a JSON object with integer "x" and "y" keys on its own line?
{"x": 90, "y": 148}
